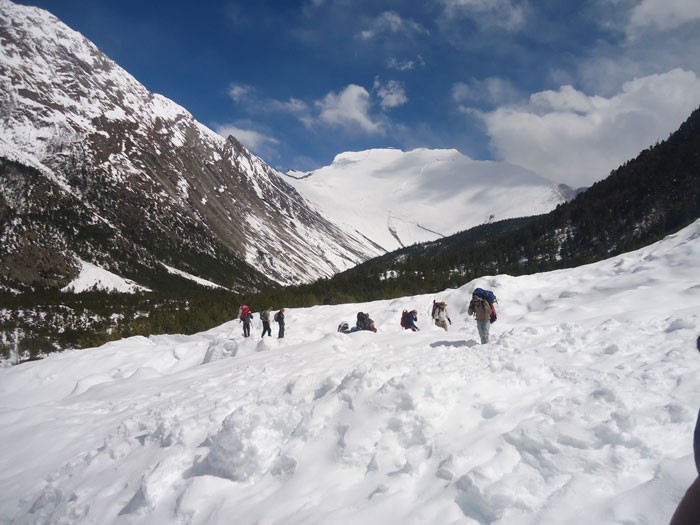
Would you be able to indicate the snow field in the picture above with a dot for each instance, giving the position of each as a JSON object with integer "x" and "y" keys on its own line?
{"x": 580, "y": 410}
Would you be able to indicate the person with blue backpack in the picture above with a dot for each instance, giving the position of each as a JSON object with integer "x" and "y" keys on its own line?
{"x": 482, "y": 308}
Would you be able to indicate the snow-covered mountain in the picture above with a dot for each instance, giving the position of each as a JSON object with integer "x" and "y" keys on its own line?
{"x": 96, "y": 168}
{"x": 396, "y": 198}
{"x": 579, "y": 411}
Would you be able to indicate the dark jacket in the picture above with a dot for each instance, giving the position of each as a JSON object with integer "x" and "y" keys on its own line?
{"x": 411, "y": 319}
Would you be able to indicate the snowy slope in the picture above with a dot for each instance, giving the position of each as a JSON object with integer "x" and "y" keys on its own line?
{"x": 579, "y": 411}
{"x": 398, "y": 198}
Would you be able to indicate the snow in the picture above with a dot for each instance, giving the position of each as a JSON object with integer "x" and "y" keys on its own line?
{"x": 191, "y": 277}
{"x": 396, "y": 198}
{"x": 94, "y": 278}
{"x": 580, "y": 410}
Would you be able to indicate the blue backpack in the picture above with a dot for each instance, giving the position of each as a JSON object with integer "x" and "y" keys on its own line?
{"x": 487, "y": 295}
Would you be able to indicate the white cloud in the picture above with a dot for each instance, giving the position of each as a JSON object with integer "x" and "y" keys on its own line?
{"x": 253, "y": 140}
{"x": 252, "y": 102}
{"x": 391, "y": 22}
{"x": 239, "y": 92}
{"x": 577, "y": 139}
{"x": 349, "y": 108}
{"x": 391, "y": 93}
{"x": 567, "y": 99}
{"x": 507, "y": 14}
{"x": 662, "y": 15}
{"x": 293, "y": 106}
{"x": 405, "y": 65}
{"x": 639, "y": 38}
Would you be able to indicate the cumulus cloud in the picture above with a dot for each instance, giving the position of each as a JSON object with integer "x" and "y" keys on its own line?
{"x": 661, "y": 15}
{"x": 391, "y": 22}
{"x": 506, "y": 14}
{"x": 577, "y": 139}
{"x": 392, "y": 94}
{"x": 350, "y": 108}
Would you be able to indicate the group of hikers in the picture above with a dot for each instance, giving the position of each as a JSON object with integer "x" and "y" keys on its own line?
{"x": 481, "y": 307}
{"x": 246, "y": 317}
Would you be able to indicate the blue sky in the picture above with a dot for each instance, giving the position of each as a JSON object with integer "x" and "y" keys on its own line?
{"x": 568, "y": 89}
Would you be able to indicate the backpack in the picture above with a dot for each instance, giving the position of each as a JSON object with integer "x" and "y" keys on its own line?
{"x": 437, "y": 306}
{"x": 486, "y": 295}
{"x": 243, "y": 312}
{"x": 276, "y": 317}
{"x": 489, "y": 297}
{"x": 404, "y": 319}
{"x": 363, "y": 321}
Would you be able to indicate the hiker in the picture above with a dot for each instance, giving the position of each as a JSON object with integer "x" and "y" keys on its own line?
{"x": 439, "y": 313}
{"x": 408, "y": 320}
{"x": 265, "y": 317}
{"x": 246, "y": 318}
{"x": 279, "y": 319}
{"x": 481, "y": 310}
{"x": 688, "y": 510}
{"x": 363, "y": 323}
{"x": 344, "y": 328}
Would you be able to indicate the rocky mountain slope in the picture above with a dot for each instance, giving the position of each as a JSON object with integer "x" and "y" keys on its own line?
{"x": 95, "y": 167}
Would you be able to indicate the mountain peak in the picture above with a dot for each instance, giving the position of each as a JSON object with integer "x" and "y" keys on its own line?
{"x": 397, "y": 198}
{"x": 234, "y": 146}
